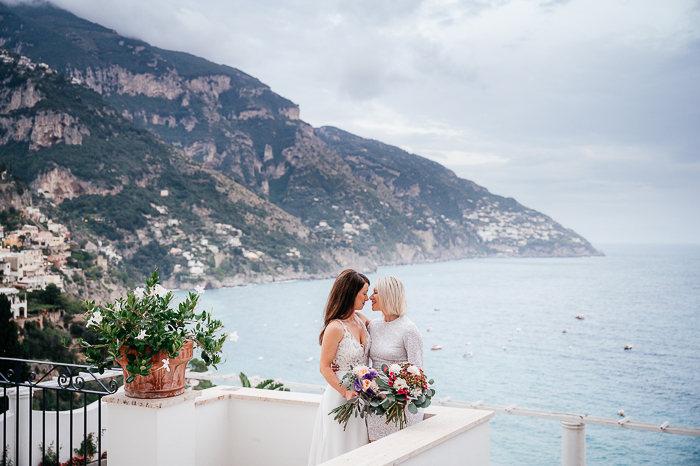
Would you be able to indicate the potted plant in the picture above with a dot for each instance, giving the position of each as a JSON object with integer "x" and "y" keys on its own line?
{"x": 150, "y": 340}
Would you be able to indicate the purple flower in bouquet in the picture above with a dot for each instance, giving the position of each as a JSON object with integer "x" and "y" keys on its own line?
{"x": 357, "y": 385}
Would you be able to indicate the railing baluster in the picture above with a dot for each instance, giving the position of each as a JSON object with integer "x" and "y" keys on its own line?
{"x": 70, "y": 438}
{"x": 99, "y": 430}
{"x": 30, "y": 426}
{"x": 85, "y": 429}
{"x": 43, "y": 426}
{"x": 18, "y": 375}
{"x": 58, "y": 425}
{"x": 6, "y": 406}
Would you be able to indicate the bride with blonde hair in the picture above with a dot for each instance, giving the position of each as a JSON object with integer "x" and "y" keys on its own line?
{"x": 395, "y": 340}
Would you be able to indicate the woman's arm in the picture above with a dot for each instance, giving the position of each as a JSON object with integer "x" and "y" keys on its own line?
{"x": 331, "y": 339}
{"x": 413, "y": 342}
{"x": 364, "y": 318}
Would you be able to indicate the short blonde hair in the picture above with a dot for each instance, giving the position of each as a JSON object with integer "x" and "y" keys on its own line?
{"x": 392, "y": 296}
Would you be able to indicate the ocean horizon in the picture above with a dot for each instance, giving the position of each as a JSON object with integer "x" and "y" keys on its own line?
{"x": 500, "y": 323}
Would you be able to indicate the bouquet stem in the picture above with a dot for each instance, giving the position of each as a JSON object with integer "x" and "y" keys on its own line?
{"x": 344, "y": 411}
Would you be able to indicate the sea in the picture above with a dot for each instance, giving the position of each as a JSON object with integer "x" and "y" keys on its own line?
{"x": 500, "y": 323}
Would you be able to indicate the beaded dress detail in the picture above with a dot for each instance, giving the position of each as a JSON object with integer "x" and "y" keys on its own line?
{"x": 395, "y": 342}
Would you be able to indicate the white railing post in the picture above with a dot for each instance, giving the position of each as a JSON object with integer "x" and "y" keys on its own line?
{"x": 573, "y": 444}
{"x": 23, "y": 412}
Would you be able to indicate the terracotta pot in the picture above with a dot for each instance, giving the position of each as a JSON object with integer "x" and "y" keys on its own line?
{"x": 161, "y": 383}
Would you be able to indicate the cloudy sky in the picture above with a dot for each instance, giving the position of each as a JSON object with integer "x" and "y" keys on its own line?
{"x": 587, "y": 110}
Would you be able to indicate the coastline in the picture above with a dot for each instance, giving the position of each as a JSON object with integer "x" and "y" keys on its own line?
{"x": 210, "y": 282}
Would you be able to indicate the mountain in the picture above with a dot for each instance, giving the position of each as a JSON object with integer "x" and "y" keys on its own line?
{"x": 114, "y": 181}
{"x": 358, "y": 202}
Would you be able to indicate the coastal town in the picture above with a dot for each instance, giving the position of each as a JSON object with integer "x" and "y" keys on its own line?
{"x": 32, "y": 257}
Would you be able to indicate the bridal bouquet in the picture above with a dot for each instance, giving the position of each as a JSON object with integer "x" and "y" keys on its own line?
{"x": 363, "y": 380}
{"x": 405, "y": 387}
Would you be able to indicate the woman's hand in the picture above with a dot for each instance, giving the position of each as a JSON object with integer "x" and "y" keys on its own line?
{"x": 350, "y": 394}
{"x": 335, "y": 367}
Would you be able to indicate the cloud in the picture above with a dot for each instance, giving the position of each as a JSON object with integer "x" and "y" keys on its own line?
{"x": 465, "y": 158}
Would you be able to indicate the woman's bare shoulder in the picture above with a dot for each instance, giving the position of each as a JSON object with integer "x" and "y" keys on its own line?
{"x": 334, "y": 328}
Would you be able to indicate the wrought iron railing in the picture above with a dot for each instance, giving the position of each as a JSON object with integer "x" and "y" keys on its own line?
{"x": 23, "y": 379}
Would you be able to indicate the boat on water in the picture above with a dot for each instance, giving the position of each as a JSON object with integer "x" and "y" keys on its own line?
{"x": 580, "y": 317}
{"x": 436, "y": 347}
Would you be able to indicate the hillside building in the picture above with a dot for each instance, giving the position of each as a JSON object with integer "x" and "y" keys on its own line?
{"x": 18, "y": 306}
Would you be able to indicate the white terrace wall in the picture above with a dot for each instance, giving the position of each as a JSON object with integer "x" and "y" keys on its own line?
{"x": 257, "y": 427}
{"x": 230, "y": 426}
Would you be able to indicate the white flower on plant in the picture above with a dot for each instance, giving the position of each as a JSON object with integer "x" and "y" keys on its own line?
{"x": 166, "y": 364}
{"x": 413, "y": 370}
{"x": 416, "y": 392}
{"x": 118, "y": 306}
{"x": 158, "y": 290}
{"x": 395, "y": 368}
{"x": 141, "y": 335}
{"x": 199, "y": 289}
{"x": 95, "y": 318}
{"x": 400, "y": 383}
{"x": 233, "y": 336}
{"x": 139, "y": 292}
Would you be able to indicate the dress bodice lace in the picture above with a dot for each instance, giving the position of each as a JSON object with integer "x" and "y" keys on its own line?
{"x": 351, "y": 352}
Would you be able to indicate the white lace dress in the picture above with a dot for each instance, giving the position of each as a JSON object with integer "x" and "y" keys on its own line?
{"x": 329, "y": 439}
{"x": 394, "y": 342}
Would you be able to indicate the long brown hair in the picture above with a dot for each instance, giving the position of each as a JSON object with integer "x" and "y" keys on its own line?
{"x": 341, "y": 301}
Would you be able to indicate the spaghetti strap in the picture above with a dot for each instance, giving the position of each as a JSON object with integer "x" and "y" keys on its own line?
{"x": 343, "y": 324}
{"x": 362, "y": 324}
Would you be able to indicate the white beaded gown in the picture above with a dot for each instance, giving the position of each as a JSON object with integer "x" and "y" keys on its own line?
{"x": 329, "y": 439}
{"x": 394, "y": 342}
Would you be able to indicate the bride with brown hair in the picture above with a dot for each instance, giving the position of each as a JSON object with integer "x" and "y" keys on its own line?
{"x": 345, "y": 342}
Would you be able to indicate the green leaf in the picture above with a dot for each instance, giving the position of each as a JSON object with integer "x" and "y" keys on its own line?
{"x": 412, "y": 408}
{"x": 130, "y": 378}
